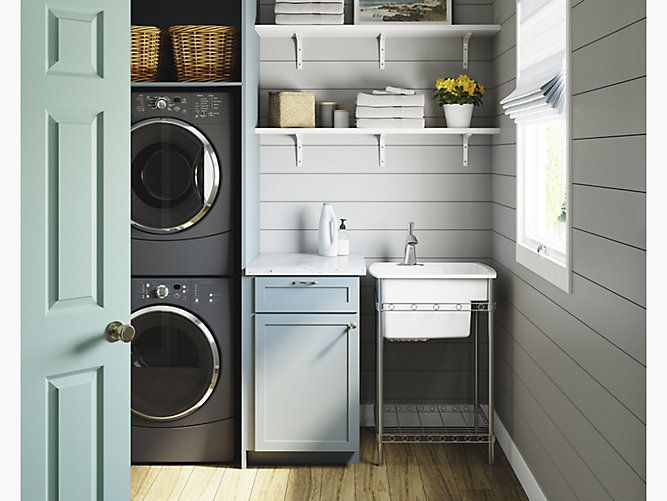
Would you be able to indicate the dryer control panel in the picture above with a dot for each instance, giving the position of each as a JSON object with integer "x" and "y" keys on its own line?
{"x": 191, "y": 106}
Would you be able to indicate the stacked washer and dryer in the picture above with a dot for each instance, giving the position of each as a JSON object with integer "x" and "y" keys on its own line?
{"x": 184, "y": 258}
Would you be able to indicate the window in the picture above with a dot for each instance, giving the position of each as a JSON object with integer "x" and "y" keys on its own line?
{"x": 539, "y": 106}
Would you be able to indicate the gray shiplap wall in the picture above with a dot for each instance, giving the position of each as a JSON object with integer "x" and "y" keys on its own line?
{"x": 423, "y": 181}
{"x": 571, "y": 374}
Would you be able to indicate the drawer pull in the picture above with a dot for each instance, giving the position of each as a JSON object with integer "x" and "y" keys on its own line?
{"x": 352, "y": 326}
{"x": 303, "y": 283}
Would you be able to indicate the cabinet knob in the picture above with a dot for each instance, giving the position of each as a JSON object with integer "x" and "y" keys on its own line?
{"x": 352, "y": 326}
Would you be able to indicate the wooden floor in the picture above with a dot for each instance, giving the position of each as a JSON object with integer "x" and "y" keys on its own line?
{"x": 410, "y": 472}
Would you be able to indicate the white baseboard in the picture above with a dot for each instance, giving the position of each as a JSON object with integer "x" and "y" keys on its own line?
{"x": 519, "y": 465}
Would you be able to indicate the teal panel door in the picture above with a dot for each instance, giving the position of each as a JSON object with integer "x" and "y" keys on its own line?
{"x": 75, "y": 249}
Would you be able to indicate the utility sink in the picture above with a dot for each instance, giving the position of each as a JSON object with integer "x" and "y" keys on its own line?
{"x": 430, "y": 300}
{"x": 465, "y": 271}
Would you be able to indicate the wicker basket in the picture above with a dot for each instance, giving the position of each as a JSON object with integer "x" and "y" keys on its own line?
{"x": 205, "y": 53}
{"x": 145, "y": 53}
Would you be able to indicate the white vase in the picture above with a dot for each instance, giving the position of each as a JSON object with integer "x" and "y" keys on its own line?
{"x": 458, "y": 116}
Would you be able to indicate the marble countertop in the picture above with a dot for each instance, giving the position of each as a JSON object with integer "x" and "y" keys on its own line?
{"x": 292, "y": 264}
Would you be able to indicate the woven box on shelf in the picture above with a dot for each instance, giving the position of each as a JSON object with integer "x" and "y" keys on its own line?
{"x": 205, "y": 53}
{"x": 291, "y": 109}
{"x": 145, "y": 53}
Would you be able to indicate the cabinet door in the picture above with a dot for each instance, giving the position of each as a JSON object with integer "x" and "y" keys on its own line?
{"x": 306, "y": 383}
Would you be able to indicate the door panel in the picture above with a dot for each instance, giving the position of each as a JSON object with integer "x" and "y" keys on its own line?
{"x": 306, "y": 383}
{"x": 75, "y": 249}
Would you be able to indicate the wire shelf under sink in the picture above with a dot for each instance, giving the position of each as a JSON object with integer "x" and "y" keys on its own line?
{"x": 435, "y": 423}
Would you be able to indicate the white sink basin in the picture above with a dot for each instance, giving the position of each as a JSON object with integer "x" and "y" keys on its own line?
{"x": 433, "y": 270}
{"x": 430, "y": 301}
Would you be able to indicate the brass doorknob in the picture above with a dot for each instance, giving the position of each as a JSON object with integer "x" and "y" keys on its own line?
{"x": 118, "y": 331}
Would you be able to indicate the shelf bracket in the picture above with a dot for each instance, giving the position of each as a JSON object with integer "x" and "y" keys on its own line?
{"x": 466, "y": 146}
{"x": 466, "y": 40}
{"x": 298, "y": 140}
{"x": 298, "y": 39}
{"x": 381, "y": 50}
{"x": 381, "y": 148}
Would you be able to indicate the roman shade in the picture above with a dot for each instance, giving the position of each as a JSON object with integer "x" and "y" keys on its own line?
{"x": 541, "y": 75}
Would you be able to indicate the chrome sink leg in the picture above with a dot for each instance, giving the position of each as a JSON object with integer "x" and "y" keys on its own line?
{"x": 379, "y": 422}
{"x": 492, "y": 307}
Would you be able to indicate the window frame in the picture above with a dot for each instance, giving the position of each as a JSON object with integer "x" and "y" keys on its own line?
{"x": 553, "y": 268}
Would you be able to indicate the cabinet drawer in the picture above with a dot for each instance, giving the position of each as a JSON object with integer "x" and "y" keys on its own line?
{"x": 306, "y": 383}
{"x": 307, "y": 294}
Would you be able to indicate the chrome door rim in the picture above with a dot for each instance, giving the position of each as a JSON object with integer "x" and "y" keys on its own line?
{"x": 214, "y": 353}
{"x": 209, "y": 155}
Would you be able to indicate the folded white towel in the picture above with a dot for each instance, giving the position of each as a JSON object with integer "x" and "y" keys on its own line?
{"x": 399, "y": 90}
{"x": 391, "y": 123}
{"x": 309, "y": 18}
{"x": 394, "y": 91}
{"x": 390, "y": 112}
{"x": 389, "y": 100}
{"x": 309, "y": 8}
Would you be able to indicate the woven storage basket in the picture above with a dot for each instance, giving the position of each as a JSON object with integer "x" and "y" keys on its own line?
{"x": 145, "y": 53}
{"x": 291, "y": 109}
{"x": 205, "y": 53}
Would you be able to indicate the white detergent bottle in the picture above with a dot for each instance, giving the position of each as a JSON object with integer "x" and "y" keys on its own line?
{"x": 327, "y": 241}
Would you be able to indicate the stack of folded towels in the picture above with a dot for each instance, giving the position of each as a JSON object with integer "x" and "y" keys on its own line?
{"x": 392, "y": 108}
{"x": 309, "y": 12}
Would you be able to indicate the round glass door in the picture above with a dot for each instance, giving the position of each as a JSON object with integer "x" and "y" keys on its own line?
{"x": 175, "y": 363}
{"x": 175, "y": 175}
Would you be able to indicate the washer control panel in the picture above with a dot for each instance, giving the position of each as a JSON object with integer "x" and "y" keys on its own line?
{"x": 176, "y": 291}
{"x": 202, "y": 294}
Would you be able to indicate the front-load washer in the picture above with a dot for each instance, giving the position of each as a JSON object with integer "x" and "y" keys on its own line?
{"x": 183, "y": 369}
{"x": 184, "y": 167}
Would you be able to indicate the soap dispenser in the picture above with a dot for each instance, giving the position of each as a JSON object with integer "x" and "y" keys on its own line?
{"x": 343, "y": 239}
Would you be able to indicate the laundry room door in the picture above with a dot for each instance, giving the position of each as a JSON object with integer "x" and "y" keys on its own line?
{"x": 75, "y": 249}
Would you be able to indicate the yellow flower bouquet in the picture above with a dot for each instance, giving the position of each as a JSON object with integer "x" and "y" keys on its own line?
{"x": 461, "y": 90}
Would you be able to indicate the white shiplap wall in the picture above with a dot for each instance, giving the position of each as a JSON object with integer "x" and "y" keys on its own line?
{"x": 423, "y": 179}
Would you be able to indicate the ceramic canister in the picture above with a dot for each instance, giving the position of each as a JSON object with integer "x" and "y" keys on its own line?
{"x": 341, "y": 118}
{"x": 327, "y": 113}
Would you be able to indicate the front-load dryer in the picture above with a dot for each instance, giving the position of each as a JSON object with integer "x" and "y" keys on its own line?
{"x": 183, "y": 173}
{"x": 183, "y": 368}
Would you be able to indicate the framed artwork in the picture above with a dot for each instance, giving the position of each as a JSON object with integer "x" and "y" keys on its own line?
{"x": 402, "y": 11}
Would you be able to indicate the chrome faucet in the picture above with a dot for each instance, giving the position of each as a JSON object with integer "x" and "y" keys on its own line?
{"x": 410, "y": 257}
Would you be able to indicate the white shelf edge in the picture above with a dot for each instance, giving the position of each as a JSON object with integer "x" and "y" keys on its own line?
{"x": 375, "y": 132}
{"x": 403, "y": 30}
{"x": 380, "y": 134}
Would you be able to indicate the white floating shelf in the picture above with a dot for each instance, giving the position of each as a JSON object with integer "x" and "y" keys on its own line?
{"x": 402, "y": 30}
{"x": 379, "y": 133}
{"x": 326, "y": 131}
{"x": 379, "y": 31}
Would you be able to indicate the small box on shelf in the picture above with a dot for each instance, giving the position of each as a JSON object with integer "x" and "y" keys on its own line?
{"x": 292, "y": 109}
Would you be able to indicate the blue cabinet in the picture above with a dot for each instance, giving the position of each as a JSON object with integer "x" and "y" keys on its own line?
{"x": 307, "y": 365}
